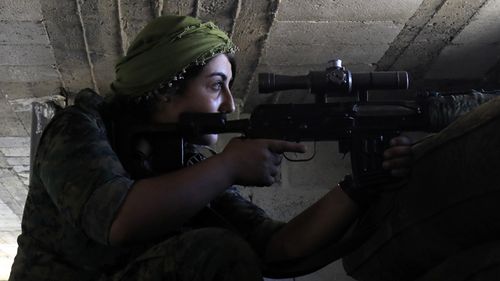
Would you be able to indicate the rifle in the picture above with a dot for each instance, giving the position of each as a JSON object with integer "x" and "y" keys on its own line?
{"x": 363, "y": 128}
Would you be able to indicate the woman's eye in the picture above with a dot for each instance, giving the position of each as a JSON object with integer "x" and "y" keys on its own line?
{"x": 217, "y": 86}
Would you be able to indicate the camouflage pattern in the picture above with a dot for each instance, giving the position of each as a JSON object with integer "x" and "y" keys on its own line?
{"x": 198, "y": 255}
{"x": 444, "y": 108}
{"x": 76, "y": 188}
{"x": 444, "y": 223}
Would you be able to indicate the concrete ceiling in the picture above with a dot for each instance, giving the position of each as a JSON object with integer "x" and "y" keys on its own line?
{"x": 48, "y": 44}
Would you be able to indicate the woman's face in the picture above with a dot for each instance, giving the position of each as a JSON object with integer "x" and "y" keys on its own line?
{"x": 206, "y": 93}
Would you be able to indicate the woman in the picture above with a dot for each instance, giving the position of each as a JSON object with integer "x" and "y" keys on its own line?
{"x": 86, "y": 218}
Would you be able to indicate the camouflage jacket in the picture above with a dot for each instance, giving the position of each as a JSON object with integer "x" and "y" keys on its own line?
{"x": 76, "y": 189}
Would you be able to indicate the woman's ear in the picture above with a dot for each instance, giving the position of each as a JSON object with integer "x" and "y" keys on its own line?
{"x": 166, "y": 110}
{"x": 165, "y": 98}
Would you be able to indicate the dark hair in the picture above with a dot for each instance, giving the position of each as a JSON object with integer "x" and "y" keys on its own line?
{"x": 141, "y": 108}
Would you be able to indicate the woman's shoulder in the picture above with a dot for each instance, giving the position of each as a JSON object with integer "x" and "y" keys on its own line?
{"x": 78, "y": 121}
{"x": 86, "y": 108}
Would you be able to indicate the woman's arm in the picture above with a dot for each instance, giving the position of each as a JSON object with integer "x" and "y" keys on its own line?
{"x": 327, "y": 220}
{"x": 323, "y": 222}
{"x": 155, "y": 206}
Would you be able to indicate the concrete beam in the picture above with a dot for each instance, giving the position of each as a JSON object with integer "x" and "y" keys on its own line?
{"x": 410, "y": 31}
{"x": 66, "y": 35}
{"x": 102, "y": 39}
{"x": 441, "y": 28}
{"x": 474, "y": 51}
{"x": 221, "y": 12}
{"x": 180, "y": 7}
{"x": 26, "y": 52}
{"x": 250, "y": 32}
{"x": 133, "y": 16}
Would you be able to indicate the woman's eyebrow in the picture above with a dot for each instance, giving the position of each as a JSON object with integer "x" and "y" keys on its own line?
{"x": 221, "y": 74}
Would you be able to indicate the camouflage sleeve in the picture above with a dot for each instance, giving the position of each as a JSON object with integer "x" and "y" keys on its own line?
{"x": 248, "y": 219}
{"x": 81, "y": 172}
{"x": 466, "y": 123}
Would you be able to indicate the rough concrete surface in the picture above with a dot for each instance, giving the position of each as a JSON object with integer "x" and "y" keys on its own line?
{"x": 14, "y": 167}
{"x": 65, "y": 32}
{"x": 470, "y": 67}
{"x": 31, "y": 73}
{"x": 26, "y": 55}
{"x": 21, "y": 32}
{"x": 133, "y": 16}
{"x": 181, "y": 7}
{"x": 445, "y": 24}
{"x": 347, "y": 10}
{"x": 20, "y": 10}
{"x": 221, "y": 12}
{"x": 477, "y": 46}
{"x": 23, "y": 90}
{"x": 411, "y": 29}
{"x": 102, "y": 40}
{"x": 326, "y": 32}
{"x": 304, "y": 55}
{"x": 250, "y": 31}
{"x": 303, "y": 43}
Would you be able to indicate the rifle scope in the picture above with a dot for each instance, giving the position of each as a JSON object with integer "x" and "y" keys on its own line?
{"x": 335, "y": 81}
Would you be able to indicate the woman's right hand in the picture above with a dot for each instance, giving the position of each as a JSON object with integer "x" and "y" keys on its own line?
{"x": 256, "y": 162}
{"x": 398, "y": 158}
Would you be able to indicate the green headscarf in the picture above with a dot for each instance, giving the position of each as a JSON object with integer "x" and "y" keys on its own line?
{"x": 164, "y": 49}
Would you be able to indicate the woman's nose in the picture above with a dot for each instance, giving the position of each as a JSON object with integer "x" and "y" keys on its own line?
{"x": 227, "y": 105}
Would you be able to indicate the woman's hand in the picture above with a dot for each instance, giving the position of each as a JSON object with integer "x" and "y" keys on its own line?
{"x": 398, "y": 157}
{"x": 257, "y": 161}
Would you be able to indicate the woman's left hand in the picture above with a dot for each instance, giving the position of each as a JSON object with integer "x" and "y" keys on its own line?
{"x": 398, "y": 157}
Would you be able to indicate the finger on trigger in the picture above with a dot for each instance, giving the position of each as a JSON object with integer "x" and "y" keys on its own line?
{"x": 280, "y": 146}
